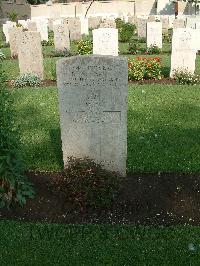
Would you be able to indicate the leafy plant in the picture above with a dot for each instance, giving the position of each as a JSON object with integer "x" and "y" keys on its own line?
{"x": 167, "y": 37}
{"x": 27, "y": 80}
{"x": 14, "y": 187}
{"x": 133, "y": 47}
{"x": 86, "y": 184}
{"x": 144, "y": 68}
{"x": 126, "y": 32}
{"x": 153, "y": 49}
{"x": 84, "y": 47}
{"x": 119, "y": 23}
{"x": 183, "y": 76}
{"x": 13, "y": 16}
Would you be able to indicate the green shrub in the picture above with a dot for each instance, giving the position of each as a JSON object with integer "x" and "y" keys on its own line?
{"x": 86, "y": 184}
{"x": 133, "y": 47}
{"x": 183, "y": 76}
{"x": 60, "y": 53}
{"x": 141, "y": 40}
{"x": 14, "y": 187}
{"x": 153, "y": 49}
{"x": 26, "y": 80}
{"x": 126, "y": 32}
{"x": 119, "y": 23}
{"x": 84, "y": 47}
{"x": 144, "y": 68}
{"x": 167, "y": 37}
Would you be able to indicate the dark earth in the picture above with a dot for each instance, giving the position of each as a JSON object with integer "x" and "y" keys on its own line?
{"x": 147, "y": 199}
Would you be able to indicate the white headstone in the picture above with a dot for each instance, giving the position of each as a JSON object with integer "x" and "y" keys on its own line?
{"x": 30, "y": 53}
{"x": 61, "y": 37}
{"x": 42, "y": 27}
{"x": 84, "y": 26}
{"x": 184, "y": 50}
{"x": 105, "y": 41}
{"x": 93, "y": 109}
{"x": 6, "y": 26}
{"x": 154, "y": 34}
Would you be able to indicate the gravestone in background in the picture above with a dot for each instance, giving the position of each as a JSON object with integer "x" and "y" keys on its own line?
{"x": 93, "y": 109}
{"x": 165, "y": 24}
{"x": 84, "y": 26}
{"x": 184, "y": 50}
{"x": 6, "y": 26}
{"x": 142, "y": 28}
{"x": 154, "y": 34}
{"x": 32, "y": 26}
{"x": 42, "y": 27}
{"x": 14, "y": 34}
{"x": 94, "y": 22}
{"x": 61, "y": 37}
{"x": 74, "y": 25}
{"x": 108, "y": 23}
{"x": 30, "y": 53}
{"x": 105, "y": 41}
{"x": 178, "y": 23}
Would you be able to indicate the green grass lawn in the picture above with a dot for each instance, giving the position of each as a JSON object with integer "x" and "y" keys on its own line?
{"x": 163, "y": 128}
{"x": 44, "y": 244}
{"x": 163, "y": 136}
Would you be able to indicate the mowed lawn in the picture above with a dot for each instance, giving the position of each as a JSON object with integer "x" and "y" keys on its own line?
{"x": 163, "y": 128}
{"x": 44, "y": 244}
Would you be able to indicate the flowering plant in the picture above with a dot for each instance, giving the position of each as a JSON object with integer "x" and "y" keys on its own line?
{"x": 144, "y": 68}
{"x": 153, "y": 49}
{"x": 183, "y": 76}
{"x": 84, "y": 47}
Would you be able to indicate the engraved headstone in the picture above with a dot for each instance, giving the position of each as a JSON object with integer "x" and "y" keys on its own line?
{"x": 94, "y": 22}
{"x": 93, "y": 109}
{"x": 105, "y": 41}
{"x": 14, "y": 34}
{"x": 154, "y": 34}
{"x": 74, "y": 25}
{"x": 30, "y": 53}
{"x": 183, "y": 50}
{"x": 108, "y": 23}
{"x": 61, "y": 37}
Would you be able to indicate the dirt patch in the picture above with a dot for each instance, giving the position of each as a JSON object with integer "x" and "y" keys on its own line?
{"x": 148, "y": 199}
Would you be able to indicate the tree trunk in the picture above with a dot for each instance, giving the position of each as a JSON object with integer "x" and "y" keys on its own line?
{"x": 89, "y": 8}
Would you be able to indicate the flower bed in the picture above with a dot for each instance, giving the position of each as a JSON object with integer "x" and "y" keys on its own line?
{"x": 144, "y": 68}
